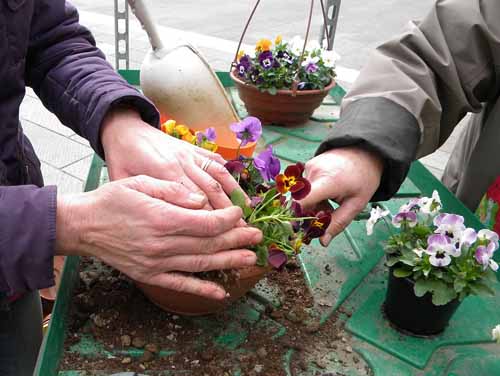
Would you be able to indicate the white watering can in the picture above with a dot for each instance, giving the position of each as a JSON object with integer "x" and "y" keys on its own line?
{"x": 180, "y": 82}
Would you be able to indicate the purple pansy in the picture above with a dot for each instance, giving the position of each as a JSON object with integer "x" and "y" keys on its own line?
{"x": 247, "y": 130}
{"x": 439, "y": 248}
{"x": 277, "y": 258}
{"x": 209, "y": 135}
{"x": 407, "y": 217}
{"x": 235, "y": 167}
{"x": 243, "y": 65}
{"x": 256, "y": 200}
{"x": 266, "y": 59}
{"x": 267, "y": 164}
{"x": 484, "y": 256}
{"x": 451, "y": 225}
{"x": 311, "y": 64}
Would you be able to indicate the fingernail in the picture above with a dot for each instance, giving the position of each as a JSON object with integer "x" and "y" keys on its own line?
{"x": 220, "y": 294}
{"x": 326, "y": 239}
{"x": 197, "y": 198}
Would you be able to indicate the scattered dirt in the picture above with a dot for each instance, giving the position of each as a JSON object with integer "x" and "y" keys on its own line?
{"x": 107, "y": 306}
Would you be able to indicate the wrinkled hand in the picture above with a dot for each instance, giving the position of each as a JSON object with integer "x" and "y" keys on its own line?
{"x": 349, "y": 176}
{"x": 147, "y": 228}
{"x": 133, "y": 147}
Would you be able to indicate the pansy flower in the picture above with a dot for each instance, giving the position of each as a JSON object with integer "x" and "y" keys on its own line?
{"x": 243, "y": 65}
{"x": 247, "y": 130}
{"x": 451, "y": 225}
{"x": 285, "y": 57}
{"x": 407, "y": 217}
{"x": 235, "y": 167}
{"x": 439, "y": 248}
{"x": 316, "y": 228}
{"x": 266, "y": 59}
{"x": 267, "y": 164}
{"x": 263, "y": 45}
{"x": 276, "y": 257}
{"x": 487, "y": 236}
{"x": 292, "y": 181}
{"x": 278, "y": 39}
{"x": 484, "y": 256}
{"x": 375, "y": 214}
{"x": 311, "y": 64}
{"x": 430, "y": 205}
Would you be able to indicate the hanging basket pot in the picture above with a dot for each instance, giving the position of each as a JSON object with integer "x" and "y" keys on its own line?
{"x": 288, "y": 105}
{"x": 283, "y": 108}
{"x": 413, "y": 315}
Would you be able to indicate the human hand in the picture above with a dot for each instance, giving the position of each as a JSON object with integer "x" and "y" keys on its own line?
{"x": 349, "y": 176}
{"x": 133, "y": 147}
{"x": 147, "y": 229}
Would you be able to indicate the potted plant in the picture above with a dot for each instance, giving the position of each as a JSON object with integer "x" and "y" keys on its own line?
{"x": 270, "y": 206}
{"x": 434, "y": 262}
{"x": 283, "y": 83}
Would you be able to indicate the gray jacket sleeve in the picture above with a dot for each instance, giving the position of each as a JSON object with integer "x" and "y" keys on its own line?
{"x": 416, "y": 88}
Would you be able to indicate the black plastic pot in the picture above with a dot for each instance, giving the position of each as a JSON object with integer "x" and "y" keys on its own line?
{"x": 414, "y": 315}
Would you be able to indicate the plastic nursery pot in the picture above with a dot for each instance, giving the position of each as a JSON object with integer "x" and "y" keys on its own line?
{"x": 283, "y": 108}
{"x": 227, "y": 143}
{"x": 414, "y": 315}
{"x": 192, "y": 305}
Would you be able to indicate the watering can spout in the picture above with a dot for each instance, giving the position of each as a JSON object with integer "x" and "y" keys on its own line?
{"x": 180, "y": 82}
{"x": 142, "y": 13}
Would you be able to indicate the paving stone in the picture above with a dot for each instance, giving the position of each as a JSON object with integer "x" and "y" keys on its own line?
{"x": 65, "y": 183}
{"x": 33, "y": 110}
{"x": 79, "y": 169}
{"x": 51, "y": 147}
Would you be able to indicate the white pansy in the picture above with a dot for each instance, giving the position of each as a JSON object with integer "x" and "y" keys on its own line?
{"x": 310, "y": 60}
{"x": 375, "y": 214}
{"x": 296, "y": 45}
{"x": 431, "y": 205}
{"x": 330, "y": 58}
{"x": 495, "y": 333}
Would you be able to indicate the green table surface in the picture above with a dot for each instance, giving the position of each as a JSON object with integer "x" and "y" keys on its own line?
{"x": 355, "y": 282}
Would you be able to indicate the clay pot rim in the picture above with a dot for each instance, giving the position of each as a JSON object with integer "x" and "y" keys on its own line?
{"x": 288, "y": 92}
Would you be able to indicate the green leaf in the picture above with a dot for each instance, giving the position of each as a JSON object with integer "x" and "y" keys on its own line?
{"x": 402, "y": 272}
{"x": 443, "y": 295}
{"x": 391, "y": 261}
{"x": 272, "y": 91}
{"x": 422, "y": 286}
{"x": 238, "y": 198}
{"x": 262, "y": 255}
{"x": 459, "y": 285}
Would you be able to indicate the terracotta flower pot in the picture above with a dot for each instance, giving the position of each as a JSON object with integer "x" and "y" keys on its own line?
{"x": 283, "y": 108}
{"x": 414, "y": 315}
{"x": 193, "y": 305}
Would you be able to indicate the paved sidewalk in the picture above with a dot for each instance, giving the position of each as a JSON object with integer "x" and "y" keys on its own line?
{"x": 214, "y": 27}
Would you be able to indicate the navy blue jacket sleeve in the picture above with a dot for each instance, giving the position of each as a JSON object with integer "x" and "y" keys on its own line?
{"x": 71, "y": 76}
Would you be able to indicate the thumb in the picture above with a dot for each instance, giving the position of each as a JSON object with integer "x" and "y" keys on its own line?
{"x": 168, "y": 191}
{"x": 341, "y": 218}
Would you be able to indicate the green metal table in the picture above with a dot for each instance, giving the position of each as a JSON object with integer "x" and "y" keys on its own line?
{"x": 355, "y": 282}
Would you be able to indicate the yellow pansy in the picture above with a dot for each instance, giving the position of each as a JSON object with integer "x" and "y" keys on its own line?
{"x": 278, "y": 39}
{"x": 210, "y": 146}
{"x": 182, "y": 130}
{"x": 189, "y": 137}
{"x": 241, "y": 53}
{"x": 263, "y": 45}
{"x": 168, "y": 127}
